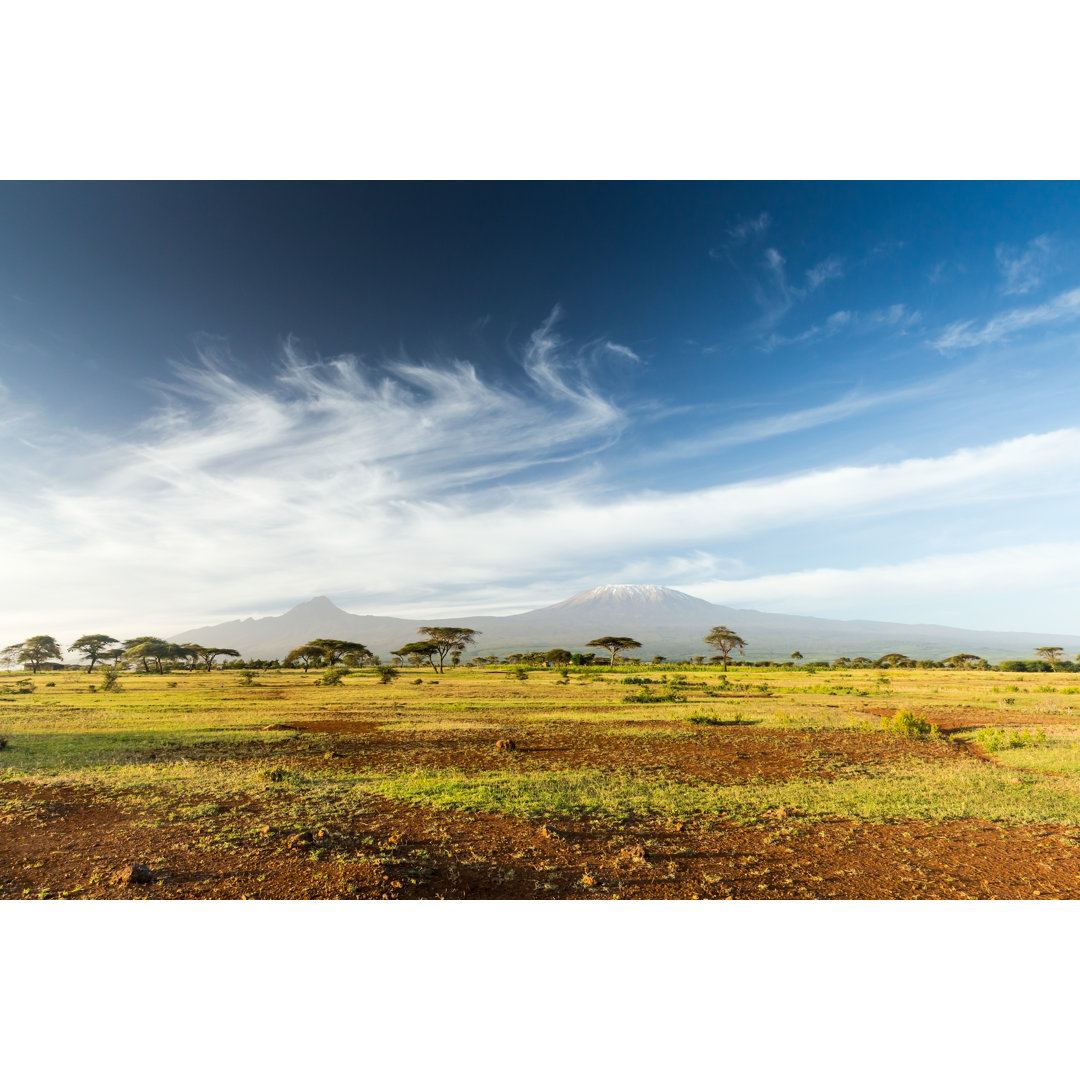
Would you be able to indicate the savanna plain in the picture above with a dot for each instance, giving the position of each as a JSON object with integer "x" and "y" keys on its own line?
{"x": 631, "y": 782}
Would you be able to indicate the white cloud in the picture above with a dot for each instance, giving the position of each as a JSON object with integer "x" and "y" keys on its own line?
{"x": 744, "y": 230}
{"x": 832, "y": 326}
{"x": 965, "y": 335}
{"x": 895, "y": 317}
{"x": 412, "y": 480}
{"x": 825, "y": 270}
{"x": 768, "y": 427}
{"x": 990, "y": 581}
{"x": 1023, "y": 271}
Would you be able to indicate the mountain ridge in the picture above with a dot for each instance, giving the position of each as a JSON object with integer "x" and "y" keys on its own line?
{"x": 666, "y": 622}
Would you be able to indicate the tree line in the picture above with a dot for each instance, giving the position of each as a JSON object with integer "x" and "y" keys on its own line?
{"x": 441, "y": 642}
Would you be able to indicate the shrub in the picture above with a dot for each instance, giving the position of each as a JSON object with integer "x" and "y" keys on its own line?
{"x": 387, "y": 673}
{"x": 333, "y": 676}
{"x": 519, "y": 673}
{"x": 715, "y": 720}
{"x": 110, "y": 680}
{"x": 3, "y": 743}
{"x": 50, "y": 684}
{"x": 908, "y": 725}
{"x": 645, "y": 695}
{"x": 994, "y": 739}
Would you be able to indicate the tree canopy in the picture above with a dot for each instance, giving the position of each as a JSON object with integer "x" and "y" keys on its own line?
{"x": 33, "y": 651}
{"x": 333, "y": 649}
{"x": 615, "y": 645}
{"x": 92, "y": 647}
{"x": 446, "y": 639}
{"x": 210, "y": 654}
{"x": 417, "y": 652}
{"x": 305, "y": 655}
{"x": 1051, "y": 654}
{"x": 723, "y": 640}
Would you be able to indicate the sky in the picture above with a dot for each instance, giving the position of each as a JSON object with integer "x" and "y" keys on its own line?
{"x": 852, "y": 400}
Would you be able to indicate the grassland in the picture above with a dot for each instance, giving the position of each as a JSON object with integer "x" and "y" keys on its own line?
{"x": 764, "y": 783}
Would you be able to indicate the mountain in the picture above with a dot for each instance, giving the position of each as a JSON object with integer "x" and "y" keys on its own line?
{"x": 665, "y": 621}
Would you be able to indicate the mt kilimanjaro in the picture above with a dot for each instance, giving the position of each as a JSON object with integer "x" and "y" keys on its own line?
{"x": 666, "y": 622}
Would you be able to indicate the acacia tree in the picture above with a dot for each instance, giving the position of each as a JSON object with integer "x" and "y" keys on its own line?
{"x": 92, "y": 647}
{"x": 305, "y": 655}
{"x": 447, "y": 639}
{"x": 615, "y": 645}
{"x": 191, "y": 652}
{"x": 416, "y": 652}
{"x": 893, "y": 659}
{"x": 146, "y": 649}
{"x": 1051, "y": 654}
{"x": 724, "y": 641}
{"x": 796, "y": 656}
{"x": 33, "y": 651}
{"x": 210, "y": 654}
{"x": 963, "y": 660}
{"x": 333, "y": 649}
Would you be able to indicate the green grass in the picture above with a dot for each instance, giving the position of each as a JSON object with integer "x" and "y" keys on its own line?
{"x": 929, "y": 792}
{"x": 206, "y": 734}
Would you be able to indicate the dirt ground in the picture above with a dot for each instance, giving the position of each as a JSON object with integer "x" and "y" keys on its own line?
{"x": 68, "y": 841}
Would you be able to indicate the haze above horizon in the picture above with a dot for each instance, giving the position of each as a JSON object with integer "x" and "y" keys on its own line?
{"x": 855, "y": 401}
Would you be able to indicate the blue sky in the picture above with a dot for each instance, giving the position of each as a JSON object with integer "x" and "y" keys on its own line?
{"x": 849, "y": 400}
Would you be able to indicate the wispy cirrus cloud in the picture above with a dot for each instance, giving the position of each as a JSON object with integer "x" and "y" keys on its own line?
{"x": 773, "y": 426}
{"x": 774, "y": 289}
{"x": 341, "y": 480}
{"x": 1023, "y": 271}
{"x": 1065, "y": 307}
{"x": 896, "y": 316}
{"x": 744, "y": 230}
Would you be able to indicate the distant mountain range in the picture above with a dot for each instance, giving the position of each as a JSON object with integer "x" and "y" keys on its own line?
{"x": 666, "y": 622}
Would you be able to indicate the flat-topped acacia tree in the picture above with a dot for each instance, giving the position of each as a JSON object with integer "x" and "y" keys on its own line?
{"x": 1051, "y": 654}
{"x": 447, "y": 639}
{"x": 33, "y": 651}
{"x": 615, "y": 645}
{"x": 304, "y": 655}
{"x": 724, "y": 641}
{"x": 334, "y": 649}
{"x": 210, "y": 654}
{"x": 92, "y": 647}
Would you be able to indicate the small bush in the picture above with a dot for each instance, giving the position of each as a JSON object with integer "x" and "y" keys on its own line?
{"x": 906, "y": 724}
{"x": 387, "y": 673}
{"x": 110, "y": 681}
{"x": 646, "y": 696}
{"x": 519, "y": 673}
{"x": 50, "y": 684}
{"x": 715, "y": 720}
{"x": 994, "y": 739}
{"x": 333, "y": 676}
{"x": 275, "y": 775}
{"x": 3, "y": 743}
{"x": 20, "y": 686}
